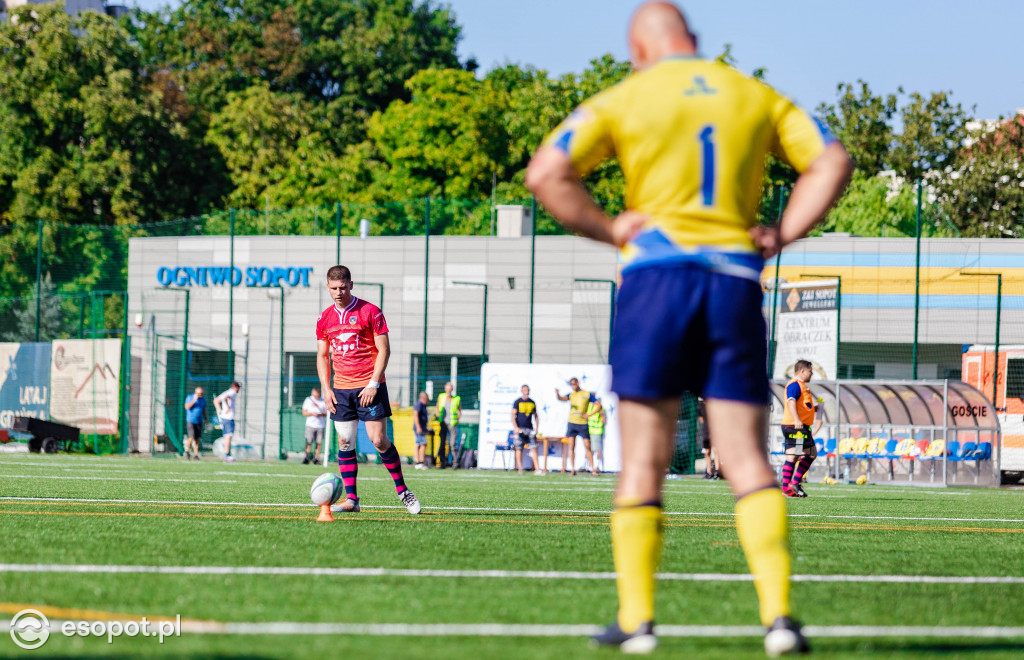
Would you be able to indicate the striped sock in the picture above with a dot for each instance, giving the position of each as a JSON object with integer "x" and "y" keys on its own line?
{"x": 348, "y": 468}
{"x": 787, "y": 473}
{"x": 393, "y": 462}
{"x": 801, "y": 469}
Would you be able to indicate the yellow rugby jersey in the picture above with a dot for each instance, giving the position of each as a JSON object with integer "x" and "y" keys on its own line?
{"x": 691, "y": 136}
{"x": 578, "y": 404}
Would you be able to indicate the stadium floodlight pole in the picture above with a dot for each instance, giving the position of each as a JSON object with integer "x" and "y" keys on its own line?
{"x": 999, "y": 313}
{"x": 917, "y": 278}
{"x": 483, "y": 338}
{"x": 839, "y": 311}
{"x": 533, "y": 262}
{"x": 380, "y": 287}
{"x": 39, "y": 273}
{"x": 611, "y": 311}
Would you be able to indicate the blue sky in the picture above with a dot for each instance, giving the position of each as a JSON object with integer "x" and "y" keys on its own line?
{"x": 807, "y": 46}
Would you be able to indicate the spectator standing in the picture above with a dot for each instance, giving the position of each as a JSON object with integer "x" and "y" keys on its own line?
{"x": 525, "y": 422}
{"x": 449, "y": 409}
{"x": 419, "y": 429}
{"x": 195, "y": 415}
{"x": 225, "y": 405}
{"x": 314, "y": 409}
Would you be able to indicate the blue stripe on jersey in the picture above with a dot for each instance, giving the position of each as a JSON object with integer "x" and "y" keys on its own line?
{"x": 657, "y": 250}
{"x": 826, "y": 135}
{"x": 562, "y": 142}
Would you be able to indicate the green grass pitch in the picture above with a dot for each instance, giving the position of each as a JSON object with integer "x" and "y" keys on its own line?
{"x": 113, "y": 512}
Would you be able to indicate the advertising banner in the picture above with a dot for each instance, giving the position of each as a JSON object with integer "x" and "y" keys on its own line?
{"x": 24, "y": 382}
{"x": 808, "y": 328}
{"x": 500, "y": 387}
{"x": 85, "y": 383}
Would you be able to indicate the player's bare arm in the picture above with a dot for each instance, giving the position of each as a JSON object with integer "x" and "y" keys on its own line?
{"x": 323, "y": 369}
{"x": 383, "y": 344}
{"x": 515, "y": 426}
{"x": 815, "y": 191}
{"x": 558, "y": 394}
{"x": 553, "y": 179}
{"x": 791, "y": 406}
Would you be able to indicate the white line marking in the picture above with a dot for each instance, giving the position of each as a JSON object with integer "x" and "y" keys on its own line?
{"x": 487, "y": 509}
{"x": 561, "y": 630}
{"x": 489, "y": 574}
{"x": 79, "y": 478}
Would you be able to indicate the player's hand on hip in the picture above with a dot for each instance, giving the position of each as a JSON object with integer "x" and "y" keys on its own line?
{"x": 367, "y": 395}
{"x": 767, "y": 240}
{"x": 626, "y": 225}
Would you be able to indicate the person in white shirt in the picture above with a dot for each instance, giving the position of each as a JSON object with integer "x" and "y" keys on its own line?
{"x": 225, "y": 405}
{"x": 315, "y": 411}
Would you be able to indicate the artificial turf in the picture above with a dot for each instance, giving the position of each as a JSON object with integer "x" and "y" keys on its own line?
{"x": 206, "y": 513}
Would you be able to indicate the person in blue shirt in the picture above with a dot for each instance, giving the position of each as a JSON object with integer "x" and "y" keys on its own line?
{"x": 195, "y": 415}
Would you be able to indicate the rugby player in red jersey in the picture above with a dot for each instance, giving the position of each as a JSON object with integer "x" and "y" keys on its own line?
{"x": 352, "y": 337}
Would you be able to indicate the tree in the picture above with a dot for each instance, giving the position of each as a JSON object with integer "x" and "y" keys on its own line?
{"x": 84, "y": 141}
{"x": 51, "y": 321}
{"x": 932, "y": 130}
{"x": 862, "y": 122}
{"x": 984, "y": 192}
{"x": 352, "y": 57}
{"x": 933, "y": 133}
{"x": 256, "y": 133}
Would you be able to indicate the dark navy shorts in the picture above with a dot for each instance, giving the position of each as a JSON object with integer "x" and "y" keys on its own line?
{"x": 348, "y": 407}
{"x": 578, "y": 431}
{"x": 686, "y": 328}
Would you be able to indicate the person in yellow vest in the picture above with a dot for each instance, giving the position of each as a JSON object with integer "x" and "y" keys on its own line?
{"x": 579, "y": 401}
{"x": 449, "y": 409}
{"x": 797, "y": 420}
{"x": 595, "y": 422}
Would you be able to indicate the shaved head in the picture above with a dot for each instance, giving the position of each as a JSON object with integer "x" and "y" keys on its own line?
{"x": 659, "y": 29}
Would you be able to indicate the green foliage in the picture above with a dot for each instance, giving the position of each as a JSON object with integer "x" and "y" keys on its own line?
{"x": 84, "y": 140}
{"x": 23, "y": 328}
{"x": 932, "y": 130}
{"x": 984, "y": 195}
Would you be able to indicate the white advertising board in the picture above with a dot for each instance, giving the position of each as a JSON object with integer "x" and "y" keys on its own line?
{"x": 85, "y": 383}
{"x": 500, "y": 385}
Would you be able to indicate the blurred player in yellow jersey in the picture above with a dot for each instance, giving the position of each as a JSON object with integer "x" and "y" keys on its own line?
{"x": 691, "y": 136}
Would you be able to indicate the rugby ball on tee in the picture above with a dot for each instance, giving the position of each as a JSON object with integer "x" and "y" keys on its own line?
{"x": 327, "y": 489}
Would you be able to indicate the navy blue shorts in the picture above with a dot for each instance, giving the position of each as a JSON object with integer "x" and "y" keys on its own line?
{"x": 578, "y": 431}
{"x": 348, "y": 407}
{"x": 685, "y": 328}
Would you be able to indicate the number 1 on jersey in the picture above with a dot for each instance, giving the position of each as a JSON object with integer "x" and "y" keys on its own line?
{"x": 708, "y": 179}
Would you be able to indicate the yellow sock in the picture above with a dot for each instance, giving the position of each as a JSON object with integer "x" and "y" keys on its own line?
{"x": 764, "y": 535}
{"x": 636, "y": 546}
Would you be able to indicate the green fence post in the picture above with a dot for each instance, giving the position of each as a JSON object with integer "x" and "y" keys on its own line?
{"x": 39, "y": 272}
{"x": 426, "y": 286}
{"x": 775, "y": 292}
{"x": 337, "y": 232}
{"x": 280, "y": 406}
{"x": 917, "y": 280}
{"x": 126, "y": 377}
{"x": 231, "y": 299}
{"x": 533, "y": 262}
{"x": 183, "y": 371}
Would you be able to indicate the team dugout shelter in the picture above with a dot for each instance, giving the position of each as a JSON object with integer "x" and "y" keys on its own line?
{"x": 930, "y": 432}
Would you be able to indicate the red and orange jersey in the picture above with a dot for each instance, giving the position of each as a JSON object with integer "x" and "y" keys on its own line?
{"x": 350, "y": 333}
